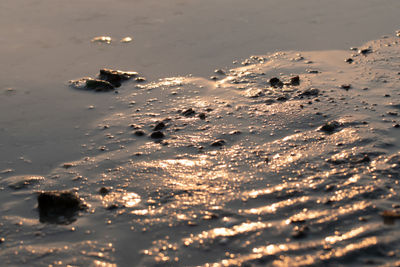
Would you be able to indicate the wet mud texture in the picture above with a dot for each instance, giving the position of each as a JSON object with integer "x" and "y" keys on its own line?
{"x": 239, "y": 170}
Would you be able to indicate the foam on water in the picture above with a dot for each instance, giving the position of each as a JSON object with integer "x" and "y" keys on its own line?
{"x": 278, "y": 190}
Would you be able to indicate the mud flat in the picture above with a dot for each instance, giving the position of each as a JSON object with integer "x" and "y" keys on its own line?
{"x": 253, "y": 167}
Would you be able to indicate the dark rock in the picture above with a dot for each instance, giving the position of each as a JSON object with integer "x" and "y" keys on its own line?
{"x": 330, "y": 127}
{"x": 364, "y": 51}
{"x": 218, "y": 143}
{"x": 310, "y": 92}
{"x": 282, "y": 98}
{"x": 60, "y": 207}
{"x": 157, "y": 135}
{"x": 99, "y": 85}
{"x": 275, "y": 82}
{"x": 396, "y": 125}
{"x": 313, "y": 71}
{"x": 104, "y": 191}
{"x": 189, "y": 112}
{"x": 139, "y": 133}
{"x": 140, "y": 79}
{"x": 202, "y": 116}
{"x": 349, "y": 60}
{"x": 159, "y": 126}
{"x": 2, "y": 240}
{"x": 346, "y": 86}
{"x": 115, "y": 77}
{"x": 295, "y": 81}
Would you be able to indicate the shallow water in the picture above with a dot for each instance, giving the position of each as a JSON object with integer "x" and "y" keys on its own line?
{"x": 279, "y": 191}
{"x": 44, "y": 122}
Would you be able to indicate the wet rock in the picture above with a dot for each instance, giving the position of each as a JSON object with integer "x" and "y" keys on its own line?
{"x": 330, "y": 127}
{"x": 68, "y": 165}
{"x": 159, "y": 126}
{"x": 218, "y": 143}
{"x": 139, "y": 133}
{"x": 157, "y": 135}
{"x": 115, "y": 77}
{"x": 282, "y": 98}
{"x": 365, "y": 51}
{"x": 313, "y": 71}
{"x": 254, "y": 93}
{"x": 310, "y": 92}
{"x": 275, "y": 82}
{"x": 295, "y": 81}
{"x": 202, "y": 116}
{"x": 140, "y": 79}
{"x": 22, "y": 181}
{"x": 59, "y": 207}
{"x": 346, "y": 86}
{"x": 102, "y": 39}
{"x": 188, "y": 112}
{"x": 92, "y": 84}
{"x": 220, "y": 72}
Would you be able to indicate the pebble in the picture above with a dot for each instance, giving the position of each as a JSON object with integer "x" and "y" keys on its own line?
{"x": 218, "y": 143}
{"x": 295, "y": 81}
{"x": 275, "y": 82}
{"x": 330, "y": 127}
{"x": 346, "y": 86}
{"x": 58, "y": 206}
{"x": 157, "y": 135}
{"x": 139, "y": 133}
{"x": 202, "y": 116}
{"x": 159, "y": 126}
{"x": 189, "y": 112}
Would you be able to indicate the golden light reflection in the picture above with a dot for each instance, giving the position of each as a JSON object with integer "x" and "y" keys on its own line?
{"x": 126, "y": 199}
{"x": 275, "y": 206}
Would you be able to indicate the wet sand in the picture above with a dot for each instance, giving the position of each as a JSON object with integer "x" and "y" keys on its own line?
{"x": 245, "y": 174}
{"x": 240, "y": 172}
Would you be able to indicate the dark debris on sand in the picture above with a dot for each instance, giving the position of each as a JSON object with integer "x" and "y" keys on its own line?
{"x": 59, "y": 207}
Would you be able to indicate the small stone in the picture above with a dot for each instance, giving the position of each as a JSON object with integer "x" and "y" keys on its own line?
{"x": 364, "y": 51}
{"x": 218, "y": 143}
{"x": 275, "y": 82}
{"x": 68, "y": 165}
{"x": 295, "y": 81}
{"x": 220, "y": 72}
{"x": 59, "y": 207}
{"x": 313, "y": 71}
{"x": 104, "y": 191}
{"x": 159, "y": 126}
{"x": 126, "y": 39}
{"x": 310, "y": 92}
{"x": 102, "y": 39}
{"x": 214, "y": 78}
{"x": 140, "y": 79}
{"x": 157, "y": 135}
{"x": 139, "y": 133}
{"x": 2, "y": 240}
{"x": 202, "y": 116}
{"x": 330, "y": 127}
{"x": 346, "y": 86}
{"x": 189, "y": 112}
{"x": 396, "y": 125}
{"x": 349, "y": 60}
{"x": 282, "y": 98}
{"x": 115, "y": 77}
